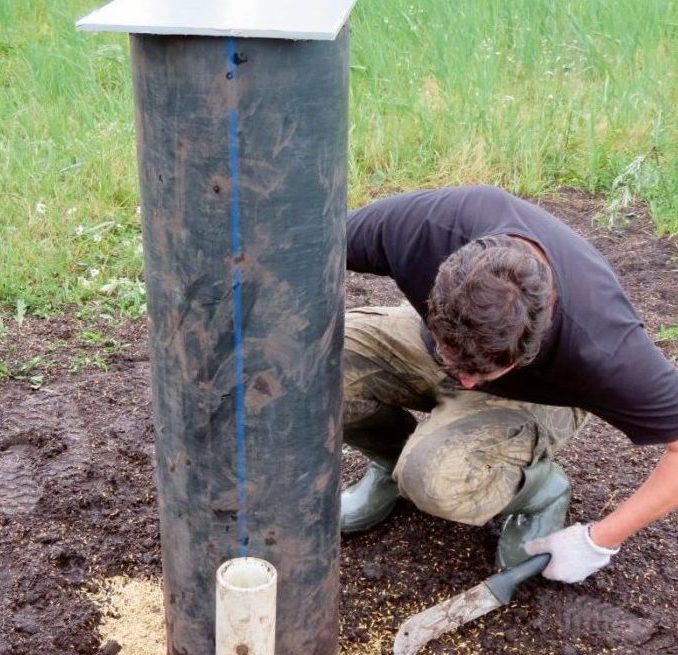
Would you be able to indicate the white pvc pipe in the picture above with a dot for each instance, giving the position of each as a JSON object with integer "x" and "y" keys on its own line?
{"x": 245, "y": 621}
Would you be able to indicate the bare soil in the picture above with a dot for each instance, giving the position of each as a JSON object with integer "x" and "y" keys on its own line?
{"x": 78, "y": 503}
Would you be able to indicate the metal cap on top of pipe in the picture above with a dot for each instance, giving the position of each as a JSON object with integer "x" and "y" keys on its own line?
{"x": 241, "y": 145}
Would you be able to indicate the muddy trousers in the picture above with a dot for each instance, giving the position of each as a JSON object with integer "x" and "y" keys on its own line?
{"x": 465, "y": 462}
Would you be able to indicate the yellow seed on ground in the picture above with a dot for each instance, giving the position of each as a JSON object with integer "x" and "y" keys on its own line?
{"x": 132, "y": 614}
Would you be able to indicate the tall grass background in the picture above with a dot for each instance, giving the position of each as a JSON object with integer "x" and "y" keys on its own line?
{"x": 527, "y": 94}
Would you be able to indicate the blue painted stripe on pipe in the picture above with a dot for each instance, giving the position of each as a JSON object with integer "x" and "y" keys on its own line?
{"x": 233, "y": 161}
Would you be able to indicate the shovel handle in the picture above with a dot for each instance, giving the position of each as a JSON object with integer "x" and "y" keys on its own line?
{"x": 503, "y": 585}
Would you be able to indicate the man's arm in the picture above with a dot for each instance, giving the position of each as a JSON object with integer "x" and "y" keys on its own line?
{"x": 657, "y": 496}
{"x": 577, "y": 552}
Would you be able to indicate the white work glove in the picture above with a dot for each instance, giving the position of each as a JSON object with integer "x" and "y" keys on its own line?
{"x": 574, "y": 556}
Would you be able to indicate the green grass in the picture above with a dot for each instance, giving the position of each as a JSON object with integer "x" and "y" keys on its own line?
{"x": 527, "y": 94}
{"x": 667, "y": 333}
{"x": 68, "y": 192}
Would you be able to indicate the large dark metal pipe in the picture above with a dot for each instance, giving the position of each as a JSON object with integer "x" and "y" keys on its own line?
{"x": 242, "y": 162}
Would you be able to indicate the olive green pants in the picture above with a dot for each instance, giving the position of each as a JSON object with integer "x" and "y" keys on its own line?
{"x": 465, "y": 462}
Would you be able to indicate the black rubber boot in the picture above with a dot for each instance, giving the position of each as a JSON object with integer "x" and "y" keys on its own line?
{"x": 537, "y": 509}
{"x": 381, "y": 437}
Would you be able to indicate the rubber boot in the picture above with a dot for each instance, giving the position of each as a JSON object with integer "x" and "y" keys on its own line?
{"x": 537, "y": 509}
{"x": 371, "y": 500}
{"x": 381, "y": 437}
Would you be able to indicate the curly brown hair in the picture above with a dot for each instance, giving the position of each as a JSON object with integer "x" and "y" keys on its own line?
{"x": 490, "y": 305}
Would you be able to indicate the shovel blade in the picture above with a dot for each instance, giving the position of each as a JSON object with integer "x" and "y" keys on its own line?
{"x": 444, "y": 617}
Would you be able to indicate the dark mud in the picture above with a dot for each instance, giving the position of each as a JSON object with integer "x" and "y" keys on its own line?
{"x": 77, "y": 496}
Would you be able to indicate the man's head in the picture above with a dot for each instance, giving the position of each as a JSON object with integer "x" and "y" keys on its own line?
{"x": 490, "y": 307}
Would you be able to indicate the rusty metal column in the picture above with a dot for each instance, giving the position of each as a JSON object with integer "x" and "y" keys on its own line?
{"x": 242, "y": 162}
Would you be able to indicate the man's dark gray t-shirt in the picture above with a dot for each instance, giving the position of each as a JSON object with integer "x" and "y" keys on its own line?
{"x": 596, "y": 356}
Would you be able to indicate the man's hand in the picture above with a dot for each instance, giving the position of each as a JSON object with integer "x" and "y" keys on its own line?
{"x": 576, "y": 553}
{"x": 574, "y": 556}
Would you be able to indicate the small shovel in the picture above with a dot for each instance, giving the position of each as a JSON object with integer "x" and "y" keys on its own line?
{"x": 447, "y": 616}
